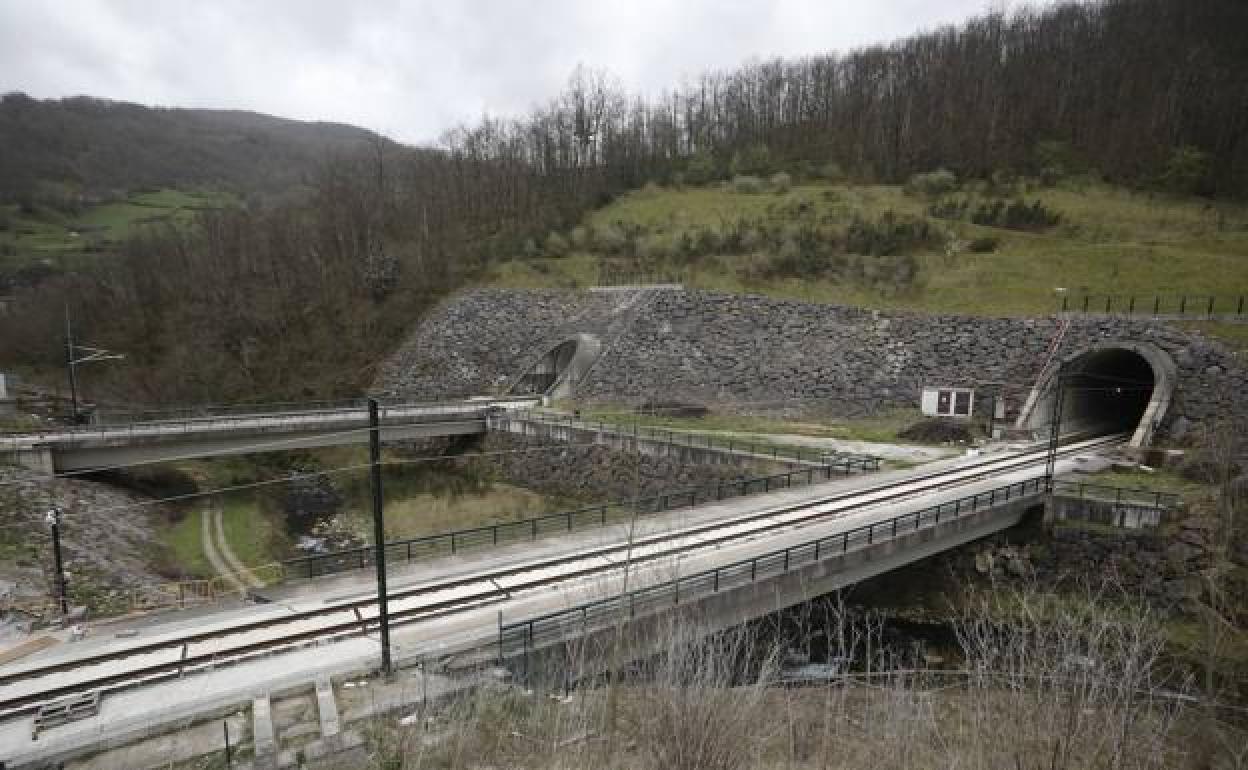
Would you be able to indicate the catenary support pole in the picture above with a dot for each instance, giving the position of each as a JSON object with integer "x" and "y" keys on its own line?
{"x": 379, "y": 531}
{"x": 1055, "y": 427}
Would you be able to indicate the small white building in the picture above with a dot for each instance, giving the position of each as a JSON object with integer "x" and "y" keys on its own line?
{"x": 948, "y": 402}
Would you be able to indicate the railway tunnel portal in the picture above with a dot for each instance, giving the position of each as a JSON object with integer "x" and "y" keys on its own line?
{"x": 1114, "y": 387}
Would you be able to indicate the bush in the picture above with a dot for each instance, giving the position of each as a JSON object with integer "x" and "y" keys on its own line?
{"x": 701, "y": 168}
{"x": 611, "y": 240}
{"x": 581, "y": 238}
{"x": 1185, "y": 171}
{"x": 556, "y": 245}
{"x": 751, "y": 161}
{"x": 888, "y": 235}
{"x": 983, "y": 245}
{"x": 932, "y": 184}
{"x": 949, "y": 208}
{"x": 1017, "y": 215}
{"x": 781, "y": 183}
{"x": 748, "y": 185}
{"x": 832, "y": 172}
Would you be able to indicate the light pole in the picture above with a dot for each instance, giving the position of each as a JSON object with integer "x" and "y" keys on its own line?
{"x": 53, "y": 519}
{"x": 73, "y": 359}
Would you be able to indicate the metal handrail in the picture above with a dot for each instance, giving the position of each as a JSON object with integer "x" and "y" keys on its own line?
{"x": 531, "y": 529}
{"x": 271, "y": 421}
{"x": 691, "y": 440}
{"x": 748, "y": 571}
{"x": 1132, "y": 495}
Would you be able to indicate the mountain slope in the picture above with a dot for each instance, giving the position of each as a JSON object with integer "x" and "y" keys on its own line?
{"x": 95, "y": 148}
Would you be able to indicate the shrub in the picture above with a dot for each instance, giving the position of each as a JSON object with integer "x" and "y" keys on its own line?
{"x": 932, "y": 184}
{"x": 983, "y": 245}
{"x": 1185, "y": 171}
{"x": 1017, "y": 215}
{"x": 751, "y": 161}
{"x": 653, "y": 246}
{"x": 832, "y": 172}
{"x": 949, "y": 208}
{"x": 888, "y": 235}
{"x": 701, "y": 168}
{"x": 556, "y": 245}
{"x": 748, "y": 185}
{"x": 611, "y": 240}
{"x": 708, "y": 241}
{"x": 781, "y": 183}
{"x": 581, "y": 237}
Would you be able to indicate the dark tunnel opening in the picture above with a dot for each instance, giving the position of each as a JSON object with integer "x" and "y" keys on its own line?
{"x": 543, "y": 376}
{"x": 1106, "y": 391}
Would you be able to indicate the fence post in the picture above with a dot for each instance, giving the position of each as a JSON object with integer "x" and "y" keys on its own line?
{"x": 1156, "y": 304}
{"x": 1239, "y": 309}
{"x": 1131, "y": 306}
{"x": 1211, "y": 298}
{"x": 1183, "y": 305}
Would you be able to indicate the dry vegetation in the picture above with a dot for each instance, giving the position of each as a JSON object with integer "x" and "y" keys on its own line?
{"x": 1043, "y": 684}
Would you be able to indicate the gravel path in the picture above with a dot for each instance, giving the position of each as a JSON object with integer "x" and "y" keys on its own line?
{"x": 210, "y": 523}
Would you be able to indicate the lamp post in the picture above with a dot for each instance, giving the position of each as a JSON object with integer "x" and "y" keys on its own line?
{"x": 53, "y": 519}
{"x": 74, "y": 357}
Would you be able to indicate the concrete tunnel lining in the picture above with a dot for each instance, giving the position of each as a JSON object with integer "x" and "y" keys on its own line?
{"x": 560, "y": 368}
{"x": 1116, "y": 386}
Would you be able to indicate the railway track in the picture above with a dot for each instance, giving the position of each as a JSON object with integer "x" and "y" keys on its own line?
{"x": 25, "y": 689}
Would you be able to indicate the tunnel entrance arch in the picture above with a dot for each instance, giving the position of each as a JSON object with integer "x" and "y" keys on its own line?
{"x": 1119, "y": 386}
{"x": 559, "y": 369}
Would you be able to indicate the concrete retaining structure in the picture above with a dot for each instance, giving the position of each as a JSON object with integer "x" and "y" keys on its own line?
{"x": 764, "y": 354}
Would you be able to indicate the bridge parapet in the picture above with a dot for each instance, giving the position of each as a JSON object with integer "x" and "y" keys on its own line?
{"x": 742, "y": 590}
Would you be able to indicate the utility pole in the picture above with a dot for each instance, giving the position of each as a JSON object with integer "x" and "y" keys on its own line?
{"x": 1055, "y": 427}
{"x": 379, "y": 532}
{"x": 53, "y": 519}
{"x": 69, "y": 364}
{"x": 72, "y": 360}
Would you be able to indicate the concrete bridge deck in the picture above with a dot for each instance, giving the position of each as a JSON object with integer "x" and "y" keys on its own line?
{"x": 471, "y": 632}
{"x": 101, "y": 446}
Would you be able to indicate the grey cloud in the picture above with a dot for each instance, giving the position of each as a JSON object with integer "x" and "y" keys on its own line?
{"x": 414, "y": 69}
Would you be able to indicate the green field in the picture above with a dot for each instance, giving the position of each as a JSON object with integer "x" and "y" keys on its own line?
{"x": 1109, "y": 240}
{"x": 47, "y": 234}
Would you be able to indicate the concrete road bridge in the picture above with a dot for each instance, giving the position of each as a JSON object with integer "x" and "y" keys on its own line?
{"x": 244, "y": 431}
{"x": 729, "y": 561}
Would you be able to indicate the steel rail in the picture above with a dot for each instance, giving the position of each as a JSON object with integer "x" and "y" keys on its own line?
{"x": 358, "y": 626}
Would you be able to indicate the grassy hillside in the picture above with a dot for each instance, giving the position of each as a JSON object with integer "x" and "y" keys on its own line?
{"x": 33, "y": 237}
{"x": 1106, "y": 240}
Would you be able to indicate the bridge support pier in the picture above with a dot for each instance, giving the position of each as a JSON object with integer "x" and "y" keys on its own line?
{"x": 38, "y": 460}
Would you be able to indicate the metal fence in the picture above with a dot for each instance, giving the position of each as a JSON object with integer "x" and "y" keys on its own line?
{"x": 1165, "y": 305}
{"x": 677, "y": 438}
{"x": 521, "y": 637}
{"x": 563, "y": 522}
{"x": 258, "y": 423}
{"x": 1105, "y": 493}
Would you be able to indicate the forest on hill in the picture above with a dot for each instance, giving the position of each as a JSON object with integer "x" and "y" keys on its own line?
{"x": 63, "y": 152}
{"x": 302, "y": 299}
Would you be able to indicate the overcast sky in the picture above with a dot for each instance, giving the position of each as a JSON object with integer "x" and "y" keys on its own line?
{"x": 413, "y": 69}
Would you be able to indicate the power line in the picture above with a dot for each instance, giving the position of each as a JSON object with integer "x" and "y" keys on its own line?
{"x": 328, "y": 472}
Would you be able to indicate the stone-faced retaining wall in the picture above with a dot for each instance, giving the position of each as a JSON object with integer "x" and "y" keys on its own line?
{"x": 598, "y": 473}
{"x": 719, "y": 348}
